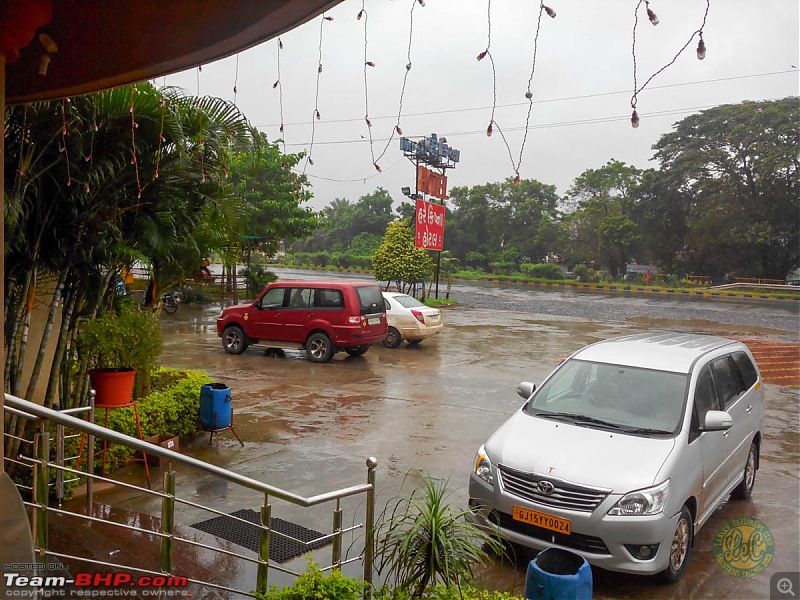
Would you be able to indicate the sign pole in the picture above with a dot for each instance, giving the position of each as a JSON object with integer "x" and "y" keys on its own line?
{"x": 434, "y": 152}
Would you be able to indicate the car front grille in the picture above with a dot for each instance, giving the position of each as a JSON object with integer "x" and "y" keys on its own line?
{"x": 562, "y": 494}
{"x": 576, "y": 541}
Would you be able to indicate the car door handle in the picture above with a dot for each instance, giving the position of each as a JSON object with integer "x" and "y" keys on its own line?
{"x": 749, "y": 409}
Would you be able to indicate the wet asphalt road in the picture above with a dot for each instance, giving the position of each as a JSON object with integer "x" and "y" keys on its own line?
{"x": 308, "y": 427}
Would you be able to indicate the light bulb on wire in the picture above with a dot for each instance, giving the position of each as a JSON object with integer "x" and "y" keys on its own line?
{"x": 635, "y": 119}
{"x": 701, "y": 48}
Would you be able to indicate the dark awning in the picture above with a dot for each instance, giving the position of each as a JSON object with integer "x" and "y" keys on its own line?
{"x": 107, "y": 43}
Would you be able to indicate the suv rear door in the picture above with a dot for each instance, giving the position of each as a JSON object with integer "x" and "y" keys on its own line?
{"x": 372, "y": 306}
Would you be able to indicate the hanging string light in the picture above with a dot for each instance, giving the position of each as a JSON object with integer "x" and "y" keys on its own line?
{"x": 135, "y": 160}
{"x": 483, "y": 54}
{"x": 279, "y": 85}
{"x": 317, "y": 115}
{"x": 516, "y": 164}
{"x": 63, "y": 146}
{"x": 367, "y": 63}
{"x": 701, "y": 53}
{"x": 236, "y": 80}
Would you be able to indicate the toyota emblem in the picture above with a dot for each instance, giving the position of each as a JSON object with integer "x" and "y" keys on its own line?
{"x": 546, "y": 488}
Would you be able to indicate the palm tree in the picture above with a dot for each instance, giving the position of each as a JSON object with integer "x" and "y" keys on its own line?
{"x": 93, "y": 184}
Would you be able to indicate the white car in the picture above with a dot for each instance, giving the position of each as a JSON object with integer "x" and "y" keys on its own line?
{"x": 409, "y": 320}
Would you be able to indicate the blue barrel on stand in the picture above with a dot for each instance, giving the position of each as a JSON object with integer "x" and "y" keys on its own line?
{"x": 215, "y": 406}
{"x": 557, "y": 574}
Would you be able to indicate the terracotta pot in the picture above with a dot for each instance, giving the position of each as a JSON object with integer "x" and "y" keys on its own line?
{"x": 114, "y": 387}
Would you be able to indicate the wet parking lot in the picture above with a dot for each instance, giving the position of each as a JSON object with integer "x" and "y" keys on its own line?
{"x": 308, "y": 427}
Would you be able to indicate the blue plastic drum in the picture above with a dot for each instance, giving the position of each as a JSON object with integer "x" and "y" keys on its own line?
{"x": 557, "y": 574}
{"x": 215, "y": 406}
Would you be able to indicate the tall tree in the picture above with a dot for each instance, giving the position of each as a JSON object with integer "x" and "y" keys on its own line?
{"x": 601, "y": 205}
{"x": 739, "y": 164}
{"x": 272, "y": 195}
{"x": 503, "y": 221}
{"x": 93, "y": 184}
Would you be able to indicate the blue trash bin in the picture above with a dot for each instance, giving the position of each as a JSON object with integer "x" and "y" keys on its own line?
{"x": 215, "y": 406}
{"x": 557, "y": 574}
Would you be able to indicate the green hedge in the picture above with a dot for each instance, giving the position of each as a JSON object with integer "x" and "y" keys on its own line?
{"x": 313, "y": 584}
{"x": 171, "y": 408}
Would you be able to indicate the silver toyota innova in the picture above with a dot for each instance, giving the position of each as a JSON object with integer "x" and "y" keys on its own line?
{"x": 625, "y": 450}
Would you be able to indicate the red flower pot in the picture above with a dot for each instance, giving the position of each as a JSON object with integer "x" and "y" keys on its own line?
{"x": 114, "y": 387}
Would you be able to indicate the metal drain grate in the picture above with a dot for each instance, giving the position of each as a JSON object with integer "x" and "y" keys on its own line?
{"x": 280, "y": 548}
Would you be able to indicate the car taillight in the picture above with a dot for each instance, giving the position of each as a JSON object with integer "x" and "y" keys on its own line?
{"x": 419, "y": 315}
{"x": 355, "y": 320}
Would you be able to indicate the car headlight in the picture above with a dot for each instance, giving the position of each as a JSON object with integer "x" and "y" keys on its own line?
{"x": 483, "y": 466}
{"x": 649, "y": 501}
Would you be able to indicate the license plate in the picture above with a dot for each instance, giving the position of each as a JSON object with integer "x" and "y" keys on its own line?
{"x": 542, "y": 520}
{"x": 374, "y": 320}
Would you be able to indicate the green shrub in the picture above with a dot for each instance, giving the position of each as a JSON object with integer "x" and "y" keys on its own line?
{"x": 666, "y": 280}
{"x": 421, "y": 540}
{"x": 476, "y": 260}
{"x": 313, "y": 584}
{"x": 343, "y": 260}
{"x": 585, "y": 274}
{"x": 320, "y": 259}
{"x": 125, "y": 339}
{"x": 171, "y": 408}
{"x": 503, "y": 267}
{"x": 440, "y": 592}
{"x": 362, "y": 262}
{"x": 194, "y": 295}
{"x": 542, "y": 270}
{"x": 257, "y": 277}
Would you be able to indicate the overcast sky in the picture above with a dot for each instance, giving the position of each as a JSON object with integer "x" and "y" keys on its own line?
{"x": 581, "y": 88}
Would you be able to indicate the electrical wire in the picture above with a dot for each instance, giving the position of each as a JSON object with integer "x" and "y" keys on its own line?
{"x": 560, "y": 99}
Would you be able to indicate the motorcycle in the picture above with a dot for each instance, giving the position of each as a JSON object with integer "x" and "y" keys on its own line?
{"x": 170, "y": 301}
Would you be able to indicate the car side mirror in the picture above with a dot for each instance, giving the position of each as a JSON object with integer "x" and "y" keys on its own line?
{"x": 717, "y": 420}
{"x": 525, "y": 389}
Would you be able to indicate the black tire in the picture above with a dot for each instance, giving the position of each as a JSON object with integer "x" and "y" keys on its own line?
{"x": 393, "y": 338}
{"x": 170, "y": 307}
{"x": 234, "y": 341}
{"x": 319, "y": 348}
{"x": 745, "y": 487}
{"x": 413, "y": 342}
{"x": 680, "y": 548}
{"x": 357, "y": 350}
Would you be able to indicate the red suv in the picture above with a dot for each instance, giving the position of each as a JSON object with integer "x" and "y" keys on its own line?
{"x": 324, "y": 317}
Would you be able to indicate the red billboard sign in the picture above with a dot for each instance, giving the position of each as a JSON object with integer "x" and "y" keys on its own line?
{"x": 430, "y": 226}
{"x": 431, "y": 183}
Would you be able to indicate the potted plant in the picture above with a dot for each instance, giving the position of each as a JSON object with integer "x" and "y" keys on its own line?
{"x": 115, "y": 346}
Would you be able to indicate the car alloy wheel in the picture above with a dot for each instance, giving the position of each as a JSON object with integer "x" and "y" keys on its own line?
{"x": 679, "y": 548}
{"x": 319, "y": 348}
{"x": 745, "y": 487}
{"x": 234, "y": 340}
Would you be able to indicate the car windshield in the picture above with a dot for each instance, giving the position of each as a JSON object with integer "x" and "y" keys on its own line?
{"x": 407, "y": 301}
{"x": 370, "y": 298}
{"x": 640, "y": 401}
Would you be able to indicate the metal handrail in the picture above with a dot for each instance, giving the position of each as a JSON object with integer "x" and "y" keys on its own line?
{"x": 151, "y": 449}
{"x": 42, "y": 464}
